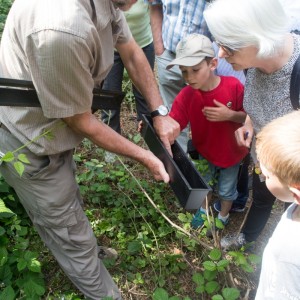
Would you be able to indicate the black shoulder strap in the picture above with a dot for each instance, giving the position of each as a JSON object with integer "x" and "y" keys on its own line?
{"x": 14, "y": 92}
{"x": 295, "y": 85}
{"x": 295, "y": 82}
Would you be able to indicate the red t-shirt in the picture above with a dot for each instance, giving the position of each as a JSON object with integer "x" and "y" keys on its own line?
{"x": 215, "y": 141}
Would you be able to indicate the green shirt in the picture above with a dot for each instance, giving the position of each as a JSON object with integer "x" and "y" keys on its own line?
{"x": 138, "y": 20}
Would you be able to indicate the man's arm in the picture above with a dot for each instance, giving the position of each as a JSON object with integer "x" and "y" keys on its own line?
{"x": 89, "y": 126}
{"x": 143, "y": 78}
{"x": 156, "y": 20}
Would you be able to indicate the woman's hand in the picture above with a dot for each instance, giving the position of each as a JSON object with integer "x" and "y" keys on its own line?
{"x": 245, "y": 133}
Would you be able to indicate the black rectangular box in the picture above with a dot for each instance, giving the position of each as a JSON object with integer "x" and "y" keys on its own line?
{"x": 188, "y": 185}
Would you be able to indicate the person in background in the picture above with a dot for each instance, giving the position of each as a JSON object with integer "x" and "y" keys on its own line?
{"x": 213, "y": 105}
{"x": 138, "y": 20}
{"x": 66, "y": 49}
{"x": 171, "y": 21}
{"x": 278, "y": 152}
{"x": 255, "y": 36}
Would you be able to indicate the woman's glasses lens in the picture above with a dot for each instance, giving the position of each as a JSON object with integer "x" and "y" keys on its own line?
{"x": 226, "y": 49}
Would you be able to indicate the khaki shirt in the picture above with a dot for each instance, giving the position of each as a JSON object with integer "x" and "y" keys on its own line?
{"x": 65, "y": 52}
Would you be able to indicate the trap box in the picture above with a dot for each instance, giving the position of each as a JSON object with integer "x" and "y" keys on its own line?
{"x": 186, "y": 182}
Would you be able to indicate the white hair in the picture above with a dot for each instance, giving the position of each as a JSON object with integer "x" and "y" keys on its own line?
{"x": 241, "y": 23}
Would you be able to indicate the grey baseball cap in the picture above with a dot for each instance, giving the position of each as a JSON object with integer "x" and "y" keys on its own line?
{"x": 191, "y": 50}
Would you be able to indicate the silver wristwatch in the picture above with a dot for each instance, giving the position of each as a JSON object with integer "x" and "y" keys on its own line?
{"x": 162, "y": 110}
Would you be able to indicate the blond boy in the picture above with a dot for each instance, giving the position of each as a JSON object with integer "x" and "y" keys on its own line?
{"x": 278, "y": 150}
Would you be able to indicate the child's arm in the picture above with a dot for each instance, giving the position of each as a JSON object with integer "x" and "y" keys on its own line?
{"x": 221, "y": 113}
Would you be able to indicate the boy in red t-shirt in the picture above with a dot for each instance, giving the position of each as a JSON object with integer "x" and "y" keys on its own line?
{"x": 213, "y": 106}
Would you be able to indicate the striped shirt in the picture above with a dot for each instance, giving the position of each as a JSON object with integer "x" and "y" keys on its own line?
{"x": 181, "y": 18}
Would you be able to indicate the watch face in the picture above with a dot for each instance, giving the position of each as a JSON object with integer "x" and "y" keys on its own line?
{"x": 163, "y": 110}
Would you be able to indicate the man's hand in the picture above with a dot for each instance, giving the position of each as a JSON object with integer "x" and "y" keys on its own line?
{"x": 156, "y": 167}
{"x": 167, "y": 129}
{"x": 87, "y": 125}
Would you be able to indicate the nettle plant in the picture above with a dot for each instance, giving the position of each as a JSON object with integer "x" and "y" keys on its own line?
{"x": 20, "y": 270}
{"x": 140, "y": 232}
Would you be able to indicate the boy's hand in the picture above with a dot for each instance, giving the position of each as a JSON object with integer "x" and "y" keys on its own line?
{"x": 218, "y": 113}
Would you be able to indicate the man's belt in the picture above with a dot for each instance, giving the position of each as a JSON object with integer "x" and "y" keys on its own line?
{"x": 15, "y": 92}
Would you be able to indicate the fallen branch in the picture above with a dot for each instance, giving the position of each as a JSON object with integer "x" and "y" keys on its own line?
{"x": 205, "y": 245}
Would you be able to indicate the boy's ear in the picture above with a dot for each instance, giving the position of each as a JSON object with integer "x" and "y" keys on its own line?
{"x": 213, "y": 64}
{"x": 296, "y": 193}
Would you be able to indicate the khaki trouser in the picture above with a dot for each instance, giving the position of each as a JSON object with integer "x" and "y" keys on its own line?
{"x": 49, "y": 193}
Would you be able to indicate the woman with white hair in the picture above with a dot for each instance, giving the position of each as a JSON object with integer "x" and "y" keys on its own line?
{"x": 254, "y": 35}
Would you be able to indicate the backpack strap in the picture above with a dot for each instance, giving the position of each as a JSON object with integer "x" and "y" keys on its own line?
{"x": 295, "y": 85}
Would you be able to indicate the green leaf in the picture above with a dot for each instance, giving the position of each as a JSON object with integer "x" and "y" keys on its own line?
{"x": 3, "y": 256}
{"x": 160, "y": 294}
{"x": 247, "y": 268}
{"x": 19, "y": 167}
{"x": 22, "y": 264}
{"x": 183, "y": 218}
{"x": 219, "y": 224}
{"x": 48, "y": 134}
{"x": 137, "y": 138}
{"x": 29, "y": 255}
{"x": 240, "y": 259}
{"x": 174, "y": 298}
{"x": 223, "y": 263}
{"x": 210, "y": 275}
{"x": 8, "y": 157}
{"x": 255, "y": 259}
{"x": 4, "y": 211}
{"x": 161, "y": 281}
{"x": 4, "y": 187}
{"x": 23, "y": 158}
{"x": 6, "y": 274}
{"x": 215, "y": 254}
{"x": 209, "y": 265}
{"x": 134, "y": 247}
{"x": 212, "y": 287}
{"x": 233, "y": 253}
{"x": 35, "y": 266}
{"x": 217, "y": 297}
{"x": 8, "y": 293}
{"x": 198, "y": 279}
{"x": 22, "y": 243}
{"x": 2, "y": 231}
{"x": 230, "y": 293}
{"x": 32, "y": 284}
{"x": 200, "y": 289}
{"x": 23, "y": 231}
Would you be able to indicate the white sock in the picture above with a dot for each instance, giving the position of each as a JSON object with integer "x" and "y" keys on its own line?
{"x": 224, "y": 219}
{"x": 203, "y": 210}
